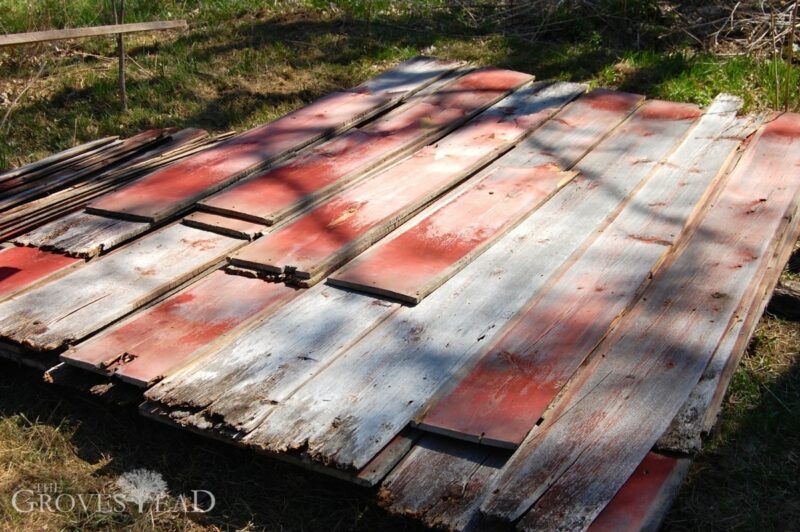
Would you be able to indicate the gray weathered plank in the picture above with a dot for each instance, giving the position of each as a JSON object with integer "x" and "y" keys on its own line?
{"x": 91, "y": 297}
{"x": 81, "y": 234}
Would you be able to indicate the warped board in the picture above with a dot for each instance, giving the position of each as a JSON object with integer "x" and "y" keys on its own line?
{"x": 569, "y": 468}
{"x": 273, "y": 195}
{"x": 336, "y": 417}
{"x": 21, "y": 267}
{"x": 56, "y": 158}
{"x": 147, "y": 346}
{"x": 424, "y": 256}
{"x": 81, "y": 234}
{"x": 224, "y": 225}
{"x": 170, "y": 190}
{"x": 87, "y": 299}
{"x": 521, "y": 373}
{"x": 331, "y": 234}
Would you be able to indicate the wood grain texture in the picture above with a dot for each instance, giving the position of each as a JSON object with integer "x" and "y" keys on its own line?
{"x": 616, "y": 408}
{"x": 22, "y": 267}
{"x": 273, "y": 195}
{"x": 225, "y": 225}
{"x": 172, "y": 189}
{"x": 146, "y": 347}
{"x": 336, "y": 231}
{"x": 241, "y": 383}
{"x": 81, "y": 234}
{"x": 522, "y": 372}
{"x": 89, "y": 298}
{"x": 645, "y": 498}
{"x": 441, "y": 482}
{"x": 424, "y": 255}
{"x": 338, "y": 418}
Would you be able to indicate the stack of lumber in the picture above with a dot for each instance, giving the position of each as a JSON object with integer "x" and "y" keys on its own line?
{"x": 499, "y": 302}
{"x": 47, "y": 189}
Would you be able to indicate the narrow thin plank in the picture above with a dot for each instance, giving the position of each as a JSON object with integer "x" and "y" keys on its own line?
{"x": 441, "y": 482}
{"x": 81, "y": 234}
{"x": 21, "y": 267}
{"x": 645, "y": 498}
{"x": 55, "y": 158}
{"x": 225, "y": 225}
{"x": 424, "y": 255}
{"x": 15, "y": 39}
{"x": 89, "y": 298}
{"x": 172, "y": 189}
{"x": 309, "y": 248}
{"x": 146, "y": 347}
{"x": 383, "y": 463}
{"x": 568, "y": 469}
{"x": 272, "y": 196}
{"x": 520, "y": 374}
{"x": 338, "y": 418}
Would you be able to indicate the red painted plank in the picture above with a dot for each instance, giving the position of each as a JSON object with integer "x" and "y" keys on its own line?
{"x": 320, "y": 241}
{"x": 20, "y": 267}
{"x": 165, "y": 336}
{"x": 273, "y": 195}
{"x": 644, "y": 499}
{"x": 166, "y": 191}
{"x": 410, "y": 266}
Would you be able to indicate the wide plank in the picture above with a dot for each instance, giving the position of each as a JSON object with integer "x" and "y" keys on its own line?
{"x": 309, "y": 248}
{"x": 520, "y": 374}
{"x": 567, "y": 470}
{"x": 338, "y": 418}
{"x": 21, "y": 267}
{"x": 279, "y": 192}
{"x": 81, "y": 234}
{"x": 146, "y": 347}
{"x": 239, "y": 384}
{"x": 87, "y": 299}
{"x": 424, "y": 255}
{"x": 173, "y": 188}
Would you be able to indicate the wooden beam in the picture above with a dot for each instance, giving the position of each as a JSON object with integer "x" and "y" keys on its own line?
{"x": 15, "y": 39}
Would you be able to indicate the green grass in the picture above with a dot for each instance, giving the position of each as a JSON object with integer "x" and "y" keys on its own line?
{"x": 244, "y": 62}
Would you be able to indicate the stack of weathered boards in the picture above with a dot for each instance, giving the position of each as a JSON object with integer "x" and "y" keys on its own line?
{"x": 535, "y": 296}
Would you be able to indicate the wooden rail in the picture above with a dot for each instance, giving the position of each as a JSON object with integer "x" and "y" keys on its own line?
{"x": 76, "y": 33}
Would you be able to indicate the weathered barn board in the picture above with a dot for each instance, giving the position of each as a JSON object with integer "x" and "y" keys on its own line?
{"x": 147, "y": 346}
{"x": 69, "y": 154}
{"x": 570, "y": 467}
{"x": 89, "y": 298}
{"x": 336, "y": 231}
{"x": 424, "y": 255}
{"x": 170, "y": 190}
{"x": 279, "y": 192}
{"x": 81, "y": 234}
{"x": 442, "y": 482}
{"x": 22, "y": 267}
{"x": 240, "y": 383}
{"x": 225, "y": 225}
{"x": 644, "y": 499}
{"x": 339, "y": 419}
{"x": 520, "y": 374}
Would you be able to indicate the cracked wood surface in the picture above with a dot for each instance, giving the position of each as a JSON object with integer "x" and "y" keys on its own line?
{"x": 569, "y": 468}
{"x": 519, "y": 375}
{"x": 87, "y": 299}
